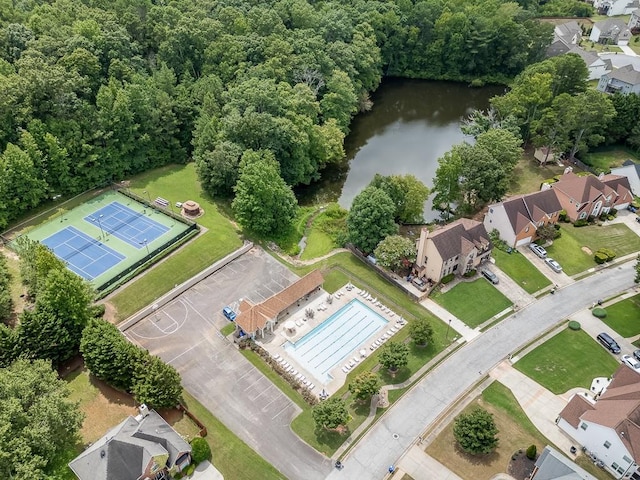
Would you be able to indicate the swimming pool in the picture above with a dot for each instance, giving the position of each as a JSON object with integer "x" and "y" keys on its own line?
{"x": 335, "y": 339}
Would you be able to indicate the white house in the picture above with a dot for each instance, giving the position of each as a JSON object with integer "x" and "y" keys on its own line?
{"x": 615, "y": 7}
{"x": 621, "y": 80}
{"x": 609, "y": 427}
{"x": 612, "y": 31}
{"x": 597, "y": 66}
{"x": 631, "y": 170}
{"x": 634, "y": 20}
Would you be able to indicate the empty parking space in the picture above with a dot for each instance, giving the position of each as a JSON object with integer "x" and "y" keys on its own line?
{"x": 185, "y": 333}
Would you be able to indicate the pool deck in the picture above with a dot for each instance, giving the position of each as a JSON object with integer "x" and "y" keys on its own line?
{"x": 323, "y": 310}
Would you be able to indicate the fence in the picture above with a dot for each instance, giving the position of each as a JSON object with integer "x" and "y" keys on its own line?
{"x": 125, "y": 191}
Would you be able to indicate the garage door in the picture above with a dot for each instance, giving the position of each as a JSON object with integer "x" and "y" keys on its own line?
{"x": 524, "y": 241}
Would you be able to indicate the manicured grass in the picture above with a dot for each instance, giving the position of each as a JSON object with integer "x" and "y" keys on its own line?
{"x": 624, "y": 317}
{"x": 228, "y": 329}
{"x": 569, "y": 359}
{"x": 318, "y": 244}
{"x": 515, "y": 432}
{"x": 334, "y": 279}
{"x": 234, "y": 458}
{"x": 288, "y": 241}
{"x": 177, "y": 183}
{"x": 568, "y": 249}
{"x": 395, "y": 394}
{"x": 528, "y": 175}
{"x": 520, "y": 270}
{"x": 459, "y": 301}
{"x": 606, "y": 158}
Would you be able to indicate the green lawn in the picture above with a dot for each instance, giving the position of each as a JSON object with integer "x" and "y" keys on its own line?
{"x": 605, "y": 158}
{"x": 318, "y": 243}
{"x": 567, "y": 249}
{"x": 569, "y": 359}
{"x": 234, "y": 458}
{"x": 228, "y": 329}
{"x": 322, "y": 235}
{"x": 528, "y": 175}
{"x": 624, "y": 317}
{"x": 520, "y": 270}
{"x": 177, "y": 183}
{"x": 462, "y": 302}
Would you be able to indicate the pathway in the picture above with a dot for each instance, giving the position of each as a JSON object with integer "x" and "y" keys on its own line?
{"x": 458, "y": 325}
{"x": 627, "y": 50}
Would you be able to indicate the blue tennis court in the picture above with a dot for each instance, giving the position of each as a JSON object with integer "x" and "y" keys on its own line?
{"x": 83, "y": 255}
{"x": 126, "y": 224}
{"x": 335, "y": 339}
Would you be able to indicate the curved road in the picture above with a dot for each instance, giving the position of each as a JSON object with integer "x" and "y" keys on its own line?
{"x": 386, "y": 442}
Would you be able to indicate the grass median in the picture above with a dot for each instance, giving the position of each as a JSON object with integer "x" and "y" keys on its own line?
{"x": 520, "y": 270}
{"x": 177, "y": 183}
{"x": 624, "y": 316}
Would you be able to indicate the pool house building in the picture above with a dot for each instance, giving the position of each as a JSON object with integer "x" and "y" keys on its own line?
{"x": 255, "y": 320}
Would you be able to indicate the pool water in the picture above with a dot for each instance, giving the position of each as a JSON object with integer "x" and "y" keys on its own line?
{"x": 335, "y": 339}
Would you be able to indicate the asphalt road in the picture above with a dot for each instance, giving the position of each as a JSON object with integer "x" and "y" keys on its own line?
{"x": 386, "y": 442}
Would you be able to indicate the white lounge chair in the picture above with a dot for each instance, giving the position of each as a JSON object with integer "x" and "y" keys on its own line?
{"x": 347, "y": 366}
{"x": 377, "y": 342}
{"x": 345, "y": 369}
{"x": 355, "y": 359}
{"x": 294, "y": 372}
{"x": 311, "y": 387}
{"x": 299, "y": 322}
{"x": 306, "y": 382}
{"x": 372, "y": 347}
{"x": 392, "y": 314}
{"x": 394, "y": 329}
{"x": 390, "y": 333}
{"x": 352, "y": 364}
{"x": 277, "y": 357}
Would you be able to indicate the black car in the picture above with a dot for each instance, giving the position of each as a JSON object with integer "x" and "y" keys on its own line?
{"x": 609, "y": 343}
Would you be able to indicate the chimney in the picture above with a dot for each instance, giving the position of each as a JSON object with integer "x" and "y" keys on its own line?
{"x": 144, "y": 410}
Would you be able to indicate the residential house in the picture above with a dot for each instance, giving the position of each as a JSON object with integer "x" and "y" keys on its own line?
{"x": 585, "y": 196}
{"x": 455, "y": 248}
{"x": 634, "y": 20}
{"x": 565, "y": 36}
{"x": 596, "y": 65}
{"x": 615, "y": 7}
{"x": 553, "y": 465}
{"x": 144, "y": 447}
{"x": 263, "y": 317}
{"x": 609, "y": 427}
{"x": 612, "y": 31}
{"x": 518, "y": 218}
{"x": 631, "y": 170}
{"x": 623, "y": 80}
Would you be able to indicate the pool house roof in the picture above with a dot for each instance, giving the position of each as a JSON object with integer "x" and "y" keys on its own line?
{"x": 256, "y": 317}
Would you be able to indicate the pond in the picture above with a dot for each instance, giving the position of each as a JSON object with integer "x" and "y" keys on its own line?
{"x": 411, "y": 125}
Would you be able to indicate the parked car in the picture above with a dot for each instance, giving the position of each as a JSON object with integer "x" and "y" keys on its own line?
{"x": 555, "y": 266}
{"x": 632, "y": 362}
{"x": 609, "y": 343}
{"x": 489, "y": 275}
{"x": 538, "y": 250}
{"x": 631, "y": 208}
{"x": 420, "y": 284}
{"x": 638, "y": 219}
{"x": 637, "y": 354}
{"x": 229, "y": 313}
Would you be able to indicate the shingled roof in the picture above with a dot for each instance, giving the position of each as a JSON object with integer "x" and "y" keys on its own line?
{"x": 126, "y": 450}
{"x": 459, "y": 237}
{"x": 532, "y": 207}
{"x": 617, "y": 408}
{"x": 254, "y": 317}
{"x": 626, "y": 74}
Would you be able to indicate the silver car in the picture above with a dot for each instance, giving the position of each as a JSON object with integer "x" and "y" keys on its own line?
{"x": 538, "y": 250}
{"x": 555, "y": 266}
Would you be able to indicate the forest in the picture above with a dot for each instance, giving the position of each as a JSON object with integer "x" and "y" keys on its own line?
{"x": 92, "y": 91}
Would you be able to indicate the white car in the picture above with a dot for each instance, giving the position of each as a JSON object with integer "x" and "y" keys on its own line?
{"x": 538, "y": 250}
{"x": 555, "y": 266}
{"x": 632, "y": 362}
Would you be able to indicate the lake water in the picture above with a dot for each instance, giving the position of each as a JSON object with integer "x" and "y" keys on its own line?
{"x": 411, "y": 125}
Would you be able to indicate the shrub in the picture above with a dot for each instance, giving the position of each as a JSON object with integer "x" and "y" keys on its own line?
{"x": 532, "y": 452}
{"x": 580, "y": 223}
{"x": 573, "y": 325}
{"x": 447, "y": 278}
{"x": 599, "y": 312}
{"x": 189, "y": 470}
{"x": 470, "y": 273}
{"x": 200, "y": 450}
{"x": 603, "y": 255}
{"x": 562, "y": 216}
{"x": 476, "y": 432}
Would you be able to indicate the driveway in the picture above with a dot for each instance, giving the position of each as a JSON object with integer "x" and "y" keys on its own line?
{"x": 510, "y": 289}
{"x": 419, "y": 408}
{"x": 561, "y": 279}
{"x": 185, "y": 333}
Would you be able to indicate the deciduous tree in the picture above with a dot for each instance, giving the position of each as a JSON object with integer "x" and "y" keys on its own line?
{"x": 370, "y": 219}
{"x": 476, "y": 432}
{"x": 395, "y": 252}
{"x": 156, "y": 383}
{"x": 394, "y": 355}
{"x": 365, "y": 385}
{"x": 330, "y": 413}
{"x": 421, "y": 331}
{"x": 408, "y": 194}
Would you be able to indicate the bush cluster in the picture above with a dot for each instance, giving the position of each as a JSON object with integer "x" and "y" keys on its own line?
{"x": 573, "y": 325}
{"x": 599, "y": 312}
{"x": 470, "y": 273}
{"x": 200, "y": 451}
{"x": 447, "y": 278}
{"x": 307, "y": 395}
{"x": 603, "y": 255}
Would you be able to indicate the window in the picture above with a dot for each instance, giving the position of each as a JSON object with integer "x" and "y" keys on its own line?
{"x": 583, "y": 426}
{"x": 626, "y": 459}
{"x": 607, "y": 444}
{"x": 614, "y": 465}
{"x": 583, "y": 215}
{"x": 620, "y": 469}
{"x": 455, "y": 267}
{"x": 526, "y": 230}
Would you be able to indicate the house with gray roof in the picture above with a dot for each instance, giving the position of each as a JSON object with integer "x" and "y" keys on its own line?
{"x": 615, "y": 7}
{"x": 456, "y": 248}
{"x": 612, "y": 31}
{"x": 553, "y": 465}
{"x": 623, "y": 80}
{"x": 518, "y": 218}
{"x": 609, "y": 426}
{"x": 144, "y": 447}
{"x": 634, "y": 19}
{"x": 596, "y": 65}
{"x": 631, "y": 170}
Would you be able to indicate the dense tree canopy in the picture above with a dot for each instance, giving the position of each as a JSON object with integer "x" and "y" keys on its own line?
{"x": 370, "y": 219}
{"x": 37, "y": 421}
{"x": 330, "y": 413}
{"x": 407, "y": 193}
{"x": 365, "y": 385}
{"x": 476, "y": 432}
{"x": 395, "y": 252}
{"x": 6, "y": 302}
{"x": 92, "y": 91}
{"x": 394, "y": 355}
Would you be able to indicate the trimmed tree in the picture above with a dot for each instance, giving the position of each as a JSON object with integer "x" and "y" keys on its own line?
{"x": 395, "y": 251}
{"x": 394, "y": 355}
{"x": 365, "y": 385}
{"x": 637, "y": 277}
{"x": 421, "y": 331}
{"x": 200, "y": 450}
{"x": 331, "y": 413}
{"x": 370, "y": 219}
{"x": 156, "y": 383}
{"x": 476, "y": 432}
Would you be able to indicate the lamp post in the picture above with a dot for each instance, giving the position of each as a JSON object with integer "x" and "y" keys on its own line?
{"x": 148, "y": 196}
{"x": 144, "y": 242}
{"x": 448, "y": 327}
{"x": 100, "y": 225}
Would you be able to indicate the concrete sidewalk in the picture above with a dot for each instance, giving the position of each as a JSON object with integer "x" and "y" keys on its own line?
{"x": 541, "y": 406}
{"x": 421, "y": 466}
{"x": 458, "y": 325}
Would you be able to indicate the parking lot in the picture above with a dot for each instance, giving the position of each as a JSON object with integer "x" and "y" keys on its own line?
{"x": 185, "y": 333}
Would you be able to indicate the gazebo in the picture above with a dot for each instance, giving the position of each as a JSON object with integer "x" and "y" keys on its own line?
{"x": 191, "y": 208}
